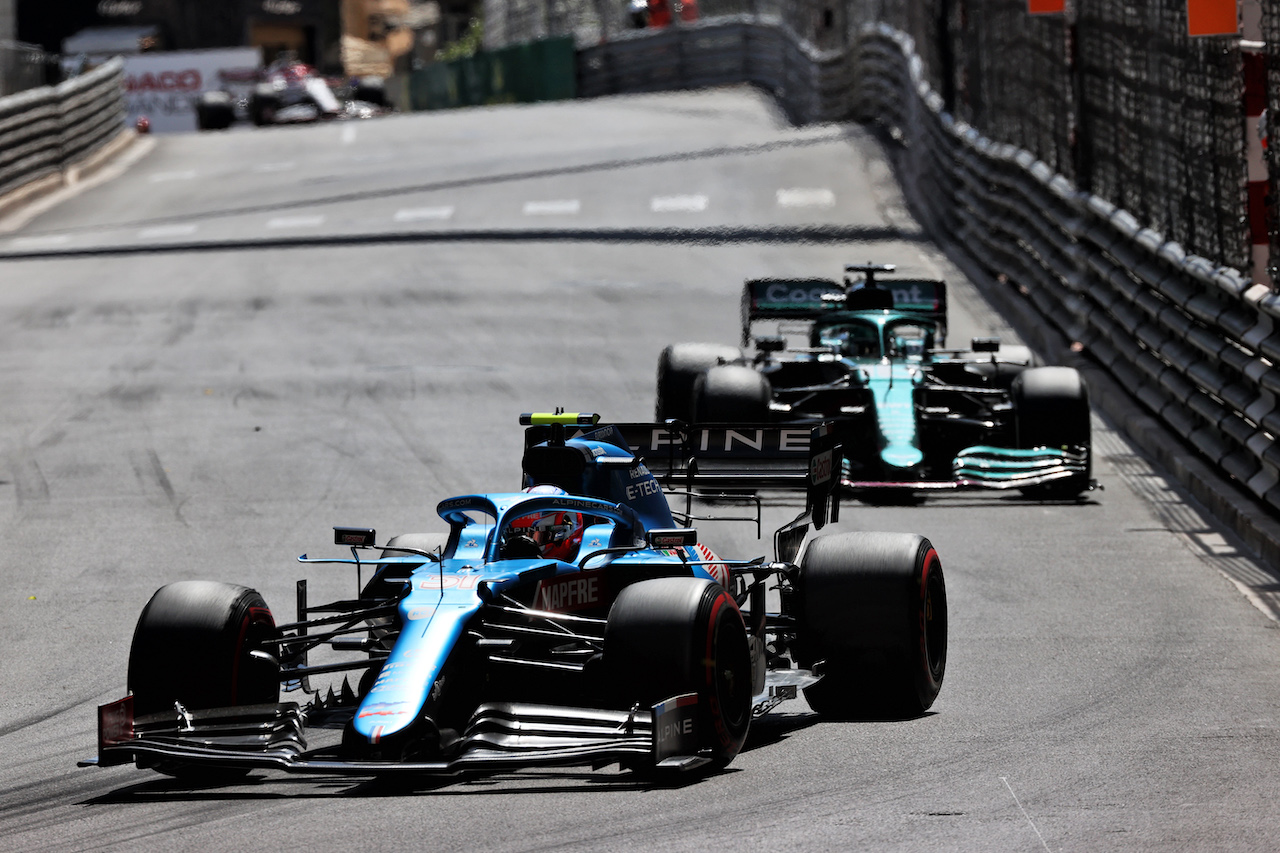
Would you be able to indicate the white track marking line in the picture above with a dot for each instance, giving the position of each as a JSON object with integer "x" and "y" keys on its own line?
{"x": 182, "y": 230}
{"x": 163, "y": 177}
{"x": 555, "y": 207}
{"x": 40, "y": 241}
{"x": 678, "y": 204}
{"x": 268, "y": 168}
{"x": 1024, "y": 813}
{"x": 295, "y": 222}
{"x": 806, "y": 197}
{"x": 419, "y": 214}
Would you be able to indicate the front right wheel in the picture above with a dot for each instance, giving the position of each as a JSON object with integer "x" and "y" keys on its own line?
{"x": 668, "y": 637}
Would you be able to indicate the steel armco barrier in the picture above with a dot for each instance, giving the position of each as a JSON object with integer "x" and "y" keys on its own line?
{"x": 1194, "y": 342}
{"x": 49, "y": 130}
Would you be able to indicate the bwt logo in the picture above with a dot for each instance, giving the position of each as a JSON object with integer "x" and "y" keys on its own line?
{"x": 166, "y": 81}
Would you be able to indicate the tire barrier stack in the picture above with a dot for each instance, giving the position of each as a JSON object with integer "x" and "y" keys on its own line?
{"x": 50, "y": 130}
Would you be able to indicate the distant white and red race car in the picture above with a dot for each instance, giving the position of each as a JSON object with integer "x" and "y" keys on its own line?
{"x": 285, "y": 92}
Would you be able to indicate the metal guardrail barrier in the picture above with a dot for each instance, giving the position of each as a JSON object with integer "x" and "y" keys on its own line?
{"x": 47, "y": 130}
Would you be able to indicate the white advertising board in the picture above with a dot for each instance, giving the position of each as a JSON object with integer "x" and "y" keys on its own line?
{"x": 163, "y": 86}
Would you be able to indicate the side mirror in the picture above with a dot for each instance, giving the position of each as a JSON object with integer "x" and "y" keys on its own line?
{"x": 986, "y": 344}
{"x": 356, "y": 537}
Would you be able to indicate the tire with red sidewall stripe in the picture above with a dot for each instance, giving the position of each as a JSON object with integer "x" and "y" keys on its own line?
{"x": 873, "y": 609}
{"x": 193, "y": 644}
{"x": 671, "y": 636}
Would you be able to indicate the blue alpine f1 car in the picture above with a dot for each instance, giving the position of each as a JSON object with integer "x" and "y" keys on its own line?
{"x": 579, "y": 621}
{"x": 913, "y": 416}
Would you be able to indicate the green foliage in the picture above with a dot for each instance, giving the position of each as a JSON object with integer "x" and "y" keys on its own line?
{"x": 466, "y": 46}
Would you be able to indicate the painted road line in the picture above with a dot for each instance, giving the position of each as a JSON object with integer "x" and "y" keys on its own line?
{"x": 423, "y": 214}
{"x": 163, "y": 177}
{"x": 555, "y": 207}
{"x": 806, "y": 197}
{"x": 40, "y": 241}
{"x": 295, "y": 222}
{"x": 678, "y": 204}
{"x": 182, "y": 230}
{"x": 268, "y": 168}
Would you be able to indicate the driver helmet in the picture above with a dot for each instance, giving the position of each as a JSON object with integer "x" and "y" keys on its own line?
{"x": 555, "y": 534}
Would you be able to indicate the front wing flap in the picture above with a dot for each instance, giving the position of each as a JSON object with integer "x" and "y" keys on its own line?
{"x": 985, "y": 467}
{"x": 499, "y": 736}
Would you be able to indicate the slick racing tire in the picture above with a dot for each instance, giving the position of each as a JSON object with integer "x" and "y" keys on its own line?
{"x": 263, "y": 106}
{"x": 371, "y": 90}
{"x": 679, "y": 367}
{"x": 1051, "y": 409}
{"x": 388, "y": 581}
{"x": 873, "y": 609}
{"x": 731, "y": 393}
{"x": 214, "y": 111}
{"x": 668, "y": 637}
{"x": 195, "y": 643}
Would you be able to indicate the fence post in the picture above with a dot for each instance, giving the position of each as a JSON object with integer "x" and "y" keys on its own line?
{"x": 1253, "y": 51}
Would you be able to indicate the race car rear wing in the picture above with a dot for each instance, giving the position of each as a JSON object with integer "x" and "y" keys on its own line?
{"x": 810, "y": 298}
{"x": 706, "y": 457}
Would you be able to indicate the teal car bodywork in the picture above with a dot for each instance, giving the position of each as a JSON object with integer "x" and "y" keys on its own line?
{"x": 913, "y": 416}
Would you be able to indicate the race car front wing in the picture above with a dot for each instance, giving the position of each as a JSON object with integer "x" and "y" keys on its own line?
{"x": 499, "y": 736}
{"x": 985, "y": 467}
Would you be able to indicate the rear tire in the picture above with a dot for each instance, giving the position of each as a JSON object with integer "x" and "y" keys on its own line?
{"x": 874, "y": 607}
{"x": 671, "y": 636}
{"x": 679, "y": 367}
{"x": 388, "y": 584}
{"x": 388, "y": 581}
{"x": 263, "y": 105}
{"x": 214, "y": 111}
{"x": 731, "y": 393}
{"x": 1051, "y": 406}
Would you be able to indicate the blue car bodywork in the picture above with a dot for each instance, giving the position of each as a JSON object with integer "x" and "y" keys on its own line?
{"x": 642, "y": 647}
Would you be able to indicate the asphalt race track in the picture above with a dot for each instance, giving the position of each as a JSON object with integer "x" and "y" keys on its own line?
{"x": 246, "y": 338}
